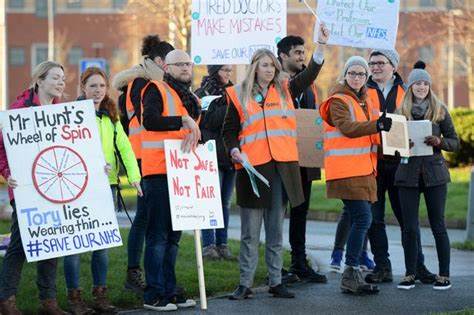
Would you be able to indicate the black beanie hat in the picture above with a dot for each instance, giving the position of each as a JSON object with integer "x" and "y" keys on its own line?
{"x": 212, "y": 69}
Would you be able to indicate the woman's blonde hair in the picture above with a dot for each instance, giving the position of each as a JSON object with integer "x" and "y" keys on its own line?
{"x": 41, "y": 71}
{"x": 249, "y": 85}
{"x": 436, "y": 109}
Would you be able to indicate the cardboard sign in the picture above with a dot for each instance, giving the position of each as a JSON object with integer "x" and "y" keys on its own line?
{"x": 63, "y": 199}
{"x": 397, "y": 138}
{"x": 309, "y": 127}
{"x": 194, "y": 189}
{"x": 229, "y": 32}
{"x": 360, "y": 23}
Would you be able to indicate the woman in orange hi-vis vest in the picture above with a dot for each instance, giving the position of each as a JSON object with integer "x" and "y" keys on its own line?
{"x": 260, "y": 131}
{"x": 351, "y": 128}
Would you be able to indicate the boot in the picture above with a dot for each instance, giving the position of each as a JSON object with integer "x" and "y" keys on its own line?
{"x": 101, "y": 303}
{"x": 8, "y": 306}
{"x": 352, "y": 282}
{"x": 135, "y": 281}
{"x": 50, "y": 307}
{"x": 76, "y": 304}
{"x": 380, "y": 274}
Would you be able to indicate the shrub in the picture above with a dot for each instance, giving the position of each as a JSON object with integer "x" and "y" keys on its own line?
{"x": 463, "y": 120}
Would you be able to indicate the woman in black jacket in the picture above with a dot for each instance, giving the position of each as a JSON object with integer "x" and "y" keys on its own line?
{"x": 426, "y": 174}
{"x": 215, "y": 241}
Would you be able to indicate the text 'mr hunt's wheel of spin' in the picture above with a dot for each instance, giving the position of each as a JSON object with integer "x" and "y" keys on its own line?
{"x": 59, "y": 174}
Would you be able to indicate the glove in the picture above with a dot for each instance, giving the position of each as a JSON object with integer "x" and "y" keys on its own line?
{"x": 384, "y": 123}
{"x": 433, "y": 141}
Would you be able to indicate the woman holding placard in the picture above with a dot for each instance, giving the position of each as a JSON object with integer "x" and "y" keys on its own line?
{"x": 47, "y": 87}
{"x": 116, "y": 147}
{"x": 426, "y": 174}
{"x": 351, "y": 137}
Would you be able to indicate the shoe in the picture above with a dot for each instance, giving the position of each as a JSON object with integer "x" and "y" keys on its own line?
{"x": 442, "y": 283}
{"x": 280, "y": 291}
{"x": 424, "y": 275}
{"x": 366, "y": 264}
{"x": 241, "y": 293}
{"x": 181, "y": 300}
{"x": 407, "y": 283}
{"x": 306, "y": 273}
{"x": 224, "y": 252}
{"x": 353, "y": 282}
{"x": 210, "y": 253}
{"x": 76, "y": 304}
{"x": 101, "y": 304}
{"x": 8, "y": 306}
{"x": 288, "y": 277}
{"x": 380, "y": 274}
{"x": 161, "y": 305}
{"x": 135, "y": 281}
{"x": 336, "y": 258}
{"x": 50, "y": 307}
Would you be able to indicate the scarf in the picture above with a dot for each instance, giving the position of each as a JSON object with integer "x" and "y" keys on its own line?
{"x": 418, "y": 110}
{"x": 212, "y": 85}
{"x": 190, "y": 101}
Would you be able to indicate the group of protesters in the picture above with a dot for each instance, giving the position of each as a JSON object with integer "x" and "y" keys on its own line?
{"x": 253, "y": 122}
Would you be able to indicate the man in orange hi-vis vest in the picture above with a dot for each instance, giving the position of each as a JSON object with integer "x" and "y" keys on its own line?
{"x": 292, "y": 55}
{"x": 169, "y": 111}
{"x": 386, "y": 90}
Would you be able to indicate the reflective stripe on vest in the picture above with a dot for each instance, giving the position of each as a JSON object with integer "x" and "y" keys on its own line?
{"x": 268, "y": 113}
{"x": 135, "y": 130}
{"x": 270, "y": 133}
{"x": 153, "y": 144}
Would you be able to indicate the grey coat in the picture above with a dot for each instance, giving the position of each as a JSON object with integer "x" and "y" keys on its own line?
{"x": 432, "y": 169}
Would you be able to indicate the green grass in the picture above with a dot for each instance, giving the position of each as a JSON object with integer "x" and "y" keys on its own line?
{"x": 222, "y": 276}
{"x": 468, "y": 311}
{"x": 466, "y": 245}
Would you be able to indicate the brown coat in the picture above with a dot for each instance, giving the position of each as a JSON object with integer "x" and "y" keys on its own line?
{"x": 354, "y": 188}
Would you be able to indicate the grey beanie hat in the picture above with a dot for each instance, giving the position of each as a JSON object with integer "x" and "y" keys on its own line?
{"x": 355, "y": 61}
{"x": 391, "y": 54}
{"x": 418, "y": 74}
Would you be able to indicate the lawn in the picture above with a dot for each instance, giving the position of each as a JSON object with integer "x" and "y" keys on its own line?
{"x": 222, "y": 276}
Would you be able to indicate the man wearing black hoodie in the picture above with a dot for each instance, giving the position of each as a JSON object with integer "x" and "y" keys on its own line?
{"x": 291, "y": 53}
{"x": 386, "y": 89}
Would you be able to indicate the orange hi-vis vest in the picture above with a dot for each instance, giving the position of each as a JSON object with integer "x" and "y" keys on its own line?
{"x": 134, "y": 126}
{"x": 346, "y": 157}
{"x": 268, "y": 132}
{"x": 374, "y": 97}
{"x": 153, "y": 145}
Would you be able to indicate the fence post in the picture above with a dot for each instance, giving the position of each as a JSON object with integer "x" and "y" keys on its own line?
{"x": 470, "y": 210}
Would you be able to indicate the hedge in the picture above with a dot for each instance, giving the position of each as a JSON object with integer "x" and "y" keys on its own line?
{"x": 463, "y": 120}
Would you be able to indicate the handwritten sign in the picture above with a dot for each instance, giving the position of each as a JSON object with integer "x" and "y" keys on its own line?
{"x": 361, "y": 23}
{"x": 63, "y": 199}
{"x": 229, "y": 32}
{"x": 309, "y": 128}
{"x": 194, "y": 190}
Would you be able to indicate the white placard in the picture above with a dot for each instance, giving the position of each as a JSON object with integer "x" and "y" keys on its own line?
{"x": 193, "y": 184}
{"x": 63, "y": 199}
{"x": 229, "y": 32}
{"x": 397, "y": 138}
{"x": 360, "y": 23}
{"x": 418, "y": 130}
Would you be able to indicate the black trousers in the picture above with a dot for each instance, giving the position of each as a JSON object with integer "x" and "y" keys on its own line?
{"x": 298, "y": 226}
{"x": 435, "y": 198}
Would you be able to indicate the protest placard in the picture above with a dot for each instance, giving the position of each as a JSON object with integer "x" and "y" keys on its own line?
{"x": 309, "y": 128}
{"x": 360, "y": 23}
{"x": 397, "y": 138}
{"x": 63, "y": 200}
{"x": 194, "y": 190}
{"x": 229, "y": 32}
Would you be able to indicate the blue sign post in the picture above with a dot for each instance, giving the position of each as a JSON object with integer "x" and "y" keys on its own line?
{"x": 92, "y": 62}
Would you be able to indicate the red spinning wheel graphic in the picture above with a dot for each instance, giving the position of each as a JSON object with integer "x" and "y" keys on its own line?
{"x": 59, "y": 174}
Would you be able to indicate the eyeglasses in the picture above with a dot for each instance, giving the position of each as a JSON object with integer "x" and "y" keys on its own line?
{"x": 354, "y": 75}
{"x": 378, "y": 63}
{"x": 181, "y": 64}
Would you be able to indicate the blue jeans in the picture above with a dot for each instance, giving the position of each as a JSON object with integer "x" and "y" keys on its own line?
{"x": 136, "y": 236}
{"x": 161, "y": 242}
{"x": 219, "y": 236}
{"x": 361, "y": 218}
{"x": 99, "y": 267}
{"x": 13, "y": 264}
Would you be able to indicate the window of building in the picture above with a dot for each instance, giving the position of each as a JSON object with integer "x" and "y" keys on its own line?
{"x": 41, "y": 8}
{"x": 75, "y": 55}
{"x": 426, "y": 53}
{"x": 74, "y": 4}
{"x": 39, "y": 53}
{"x": 16, "y": 4}
{"x": 427, "y": 3}
{"x": 119, "y": 4}
{"x": 16, "y": 56}
{"x": 120, "y": 56}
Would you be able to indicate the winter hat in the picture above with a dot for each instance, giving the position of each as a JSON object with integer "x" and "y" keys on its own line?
{"x": 391, "y": 54}
{"x": 212, "y": 69}
{"x": 355, "y": 61}
{"x": 418, "y": 74}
